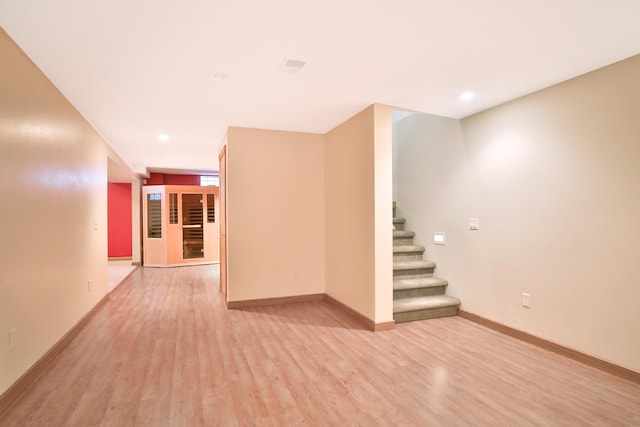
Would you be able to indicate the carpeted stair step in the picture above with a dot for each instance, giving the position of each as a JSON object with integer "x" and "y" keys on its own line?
{"x": 417, "y": 294}
{"x": 407, "y": 252}
{"x": 431, "y": 307}
{"x": 420, "y": 287}
{"x": 399, "y": 223}
{"x": 403, "y": 237}
{"x": 413, "y": 269}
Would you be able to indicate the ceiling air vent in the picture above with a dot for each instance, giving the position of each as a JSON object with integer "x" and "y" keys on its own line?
{"x": 292, "y": 66}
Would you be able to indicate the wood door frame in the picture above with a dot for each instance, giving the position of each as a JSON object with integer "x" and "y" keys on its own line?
{"x": 222, "y": 157}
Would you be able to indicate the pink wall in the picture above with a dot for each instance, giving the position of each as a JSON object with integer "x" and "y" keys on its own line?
{"x": 119, "y": 218}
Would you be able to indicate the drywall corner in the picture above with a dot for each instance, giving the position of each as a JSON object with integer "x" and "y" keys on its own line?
{"x": 349, "y": 213}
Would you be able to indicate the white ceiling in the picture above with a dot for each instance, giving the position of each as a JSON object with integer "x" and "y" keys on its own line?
{"x": 137, "y": 68}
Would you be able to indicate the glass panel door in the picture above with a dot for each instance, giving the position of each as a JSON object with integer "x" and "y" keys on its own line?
{"x": 192, "y": 226}
{"x": 154, "y": 215}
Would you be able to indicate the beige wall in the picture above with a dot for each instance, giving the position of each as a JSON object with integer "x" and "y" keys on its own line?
{"x": 53, "y": 185}
{"x": 136, "y": 223}
{"x": 554, "y": 180}
{"x": 303, "y": 218}
{"x": 557, "y": 189}
{"x": 275, "y": 214}
{"x": 383, "y": 212}
{"x": 349, "y": 213}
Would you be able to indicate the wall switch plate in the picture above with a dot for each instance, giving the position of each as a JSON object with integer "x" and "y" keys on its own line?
{"x": 474, "y": 224}
{"x": 89, "y": 284}
{"x": 95, "y": 224}
{"x": 526, "y": 300}
{"x": 12, "y": 339}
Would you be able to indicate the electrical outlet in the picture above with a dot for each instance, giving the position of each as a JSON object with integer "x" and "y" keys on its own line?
{"x": 474, "y": 224}
{"x": 12, "y": 339}
{"x": 526, "y": 300}
{"x": 295, "y": 275}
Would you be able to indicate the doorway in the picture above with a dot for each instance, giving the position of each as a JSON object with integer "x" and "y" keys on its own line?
{"x": 192, "y": 226}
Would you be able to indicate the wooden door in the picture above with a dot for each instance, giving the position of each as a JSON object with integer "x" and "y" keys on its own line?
{"x": 193, "y": 225}
{"x": 223, "y": 220}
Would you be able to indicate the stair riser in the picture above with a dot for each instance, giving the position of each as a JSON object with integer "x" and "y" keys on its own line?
{"x": 432, "y": 313}
{"x": 399, "y": 226}
{"x": 413, "y": 274}
{"x": 419, "y": 292}
{"x": 407, "y": 256}
{"x": 400, "y": 241}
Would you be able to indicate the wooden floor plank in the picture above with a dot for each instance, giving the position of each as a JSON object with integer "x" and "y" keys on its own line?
{"x": 165, "y": 351}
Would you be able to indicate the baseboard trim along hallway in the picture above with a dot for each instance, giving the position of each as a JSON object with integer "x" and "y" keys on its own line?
{"x": 18, "y": 388}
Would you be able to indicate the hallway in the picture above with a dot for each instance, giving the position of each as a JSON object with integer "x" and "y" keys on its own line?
{"x": 164, "y": 351}
{"x": 117, "y": 271}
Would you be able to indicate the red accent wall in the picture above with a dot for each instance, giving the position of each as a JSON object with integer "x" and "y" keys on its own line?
{"x": 119, "y": 220}
{"x": 181, "y": 179}
{"x": 171, "y": 179}
{"x": 155, "y": 179}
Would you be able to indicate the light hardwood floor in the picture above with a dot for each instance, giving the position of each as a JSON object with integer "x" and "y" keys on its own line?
{"x": 164, "y": 351}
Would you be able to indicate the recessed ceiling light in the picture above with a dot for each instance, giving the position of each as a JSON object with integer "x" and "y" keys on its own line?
{"x": 163, "y": 137}
{"x": 467, "y": 96}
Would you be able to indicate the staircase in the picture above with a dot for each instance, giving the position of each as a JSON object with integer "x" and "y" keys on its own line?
{"x": 417, "y": 293}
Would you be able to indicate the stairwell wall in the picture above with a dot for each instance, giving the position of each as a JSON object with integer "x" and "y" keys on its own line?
{"x": 557, "y": 191}
{"x": 553, "y": 179}
{"x": 432, "y": 191}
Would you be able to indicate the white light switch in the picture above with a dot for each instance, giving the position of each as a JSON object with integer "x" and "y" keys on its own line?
{"x": 95, "y": 224}
{"x": 474, "y": 224}
{"x": 438, "y": 239}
